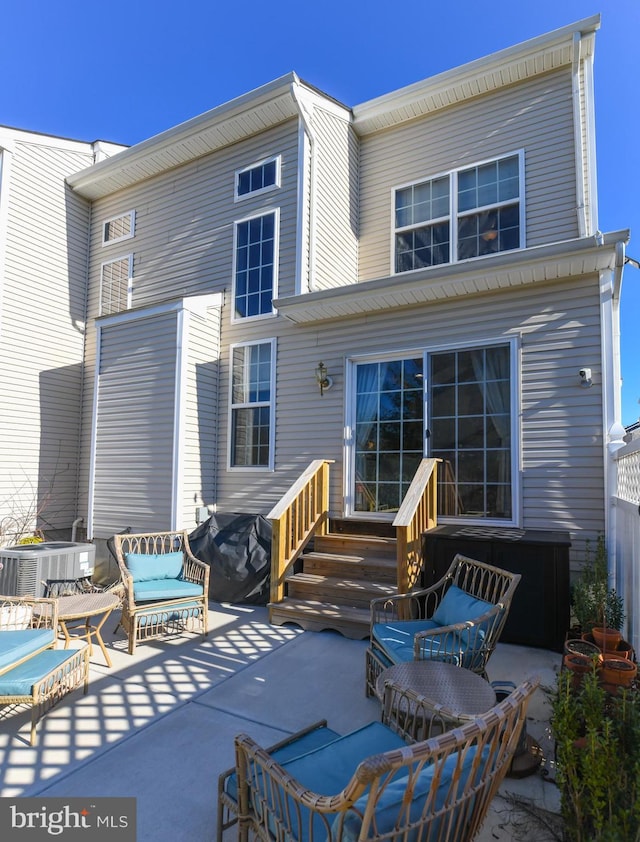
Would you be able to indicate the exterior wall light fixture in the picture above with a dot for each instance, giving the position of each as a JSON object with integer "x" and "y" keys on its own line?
{"x": 585, "y": 378}
{"x": 322, "y": 378}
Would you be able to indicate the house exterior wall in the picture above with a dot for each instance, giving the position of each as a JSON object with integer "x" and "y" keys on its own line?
{"x": 42, "y": 310}
{"x": 561, "y": 472}
{"x": 536, "y": 116}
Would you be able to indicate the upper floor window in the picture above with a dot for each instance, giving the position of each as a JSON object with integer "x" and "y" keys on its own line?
{"x": 467, "y": 213}
{"x": 255, "y": 265}
{"x": 119, "y": 228}
{"x": 115, "y": 285}
{"x": 258, "y": 178}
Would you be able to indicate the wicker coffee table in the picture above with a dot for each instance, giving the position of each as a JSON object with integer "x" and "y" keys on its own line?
{"x": 80, "y": 609}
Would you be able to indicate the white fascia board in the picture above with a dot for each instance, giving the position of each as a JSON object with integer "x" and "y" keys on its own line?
{"x": 437, "y": 85}
{"x": 85, "y": 179}
{"x": 196, "y": 304}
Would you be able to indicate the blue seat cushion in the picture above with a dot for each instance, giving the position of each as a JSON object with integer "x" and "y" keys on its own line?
{"x": 328, "y": 769}
{"x": 307, "y": 742}
{"x": 15, "y": 645}
{"x": 156, "y": 590}
{"x": 19, "y": 681}
{"x": 391, "y": 809}
{"x": 457, "y": 606}
{"x": 396, "y": 639}
{"x": 145, "y": 567}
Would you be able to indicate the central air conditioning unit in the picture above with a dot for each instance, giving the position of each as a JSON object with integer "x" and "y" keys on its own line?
{"x": 24, "y": 569}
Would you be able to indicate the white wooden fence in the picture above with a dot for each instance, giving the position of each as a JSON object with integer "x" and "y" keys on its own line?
{"x": 626, "y": 535}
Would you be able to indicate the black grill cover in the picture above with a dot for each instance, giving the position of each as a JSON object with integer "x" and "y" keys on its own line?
{"x": 237, "y": 548}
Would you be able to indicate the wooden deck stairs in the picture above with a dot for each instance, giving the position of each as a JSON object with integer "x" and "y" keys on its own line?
{"x": 337, "y": 576}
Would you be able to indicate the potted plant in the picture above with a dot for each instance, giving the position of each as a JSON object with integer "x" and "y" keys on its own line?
{"x": 598, "y": 609}
{"x": 598, "y": 756}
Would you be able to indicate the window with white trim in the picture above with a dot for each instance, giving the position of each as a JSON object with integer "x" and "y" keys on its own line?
{"x": 258, "y": 178}
{"x": 119, "y": 228}
{"x": 467, "y": 213}
{"x": 255, "y": 266}
{"x": 116, "y": 285}
{"x": 252, "y": 405}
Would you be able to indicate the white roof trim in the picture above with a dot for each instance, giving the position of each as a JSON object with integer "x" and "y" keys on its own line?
{"x": 541, "y": 264}
{"x": 227, "y": 123}
{"x": 526, "y": 60}
{"x": 197, "y": 304}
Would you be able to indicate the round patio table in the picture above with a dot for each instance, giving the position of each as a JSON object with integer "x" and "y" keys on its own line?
{"x": 445, "y": 685}
{"x": 80, "y": 609}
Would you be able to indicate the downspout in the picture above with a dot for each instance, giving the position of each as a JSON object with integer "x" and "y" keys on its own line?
{"x": 610, "y": 288}
{"x": 308, "y": 130}
{"x": 576, "y": 95}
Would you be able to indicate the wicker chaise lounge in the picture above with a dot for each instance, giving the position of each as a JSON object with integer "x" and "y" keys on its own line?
{"x": 458, "y": 620}
{"x": 370, "y": 785}
{"x": 166, "y": 587}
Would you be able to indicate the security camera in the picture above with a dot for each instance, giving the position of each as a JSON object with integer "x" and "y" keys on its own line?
{"x": 585, "y": 377}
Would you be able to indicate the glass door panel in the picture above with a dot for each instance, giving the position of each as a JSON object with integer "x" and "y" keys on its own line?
{"x": 389, "y": 432}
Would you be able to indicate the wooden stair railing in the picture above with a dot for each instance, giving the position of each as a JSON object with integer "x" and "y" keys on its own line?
{"x": 301, "y": 513}
{"x": 417, "y": 513}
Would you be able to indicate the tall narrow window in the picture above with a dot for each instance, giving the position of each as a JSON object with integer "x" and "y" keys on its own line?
{"x": 255, "y": 266}
{"x": 469, "y": 400}
{"x": 115, "y": 285}
{"x": 252, "y": 405}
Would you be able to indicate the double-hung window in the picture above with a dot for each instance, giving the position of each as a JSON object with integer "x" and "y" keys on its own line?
{"x": 252, "y": 405}
{"x": 467, "y": 213}
{"x": 255, "y": 276}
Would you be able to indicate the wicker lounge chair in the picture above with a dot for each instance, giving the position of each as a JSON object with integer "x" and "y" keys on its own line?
{"x": 369, "y": 785}
{"x": 166, "y": 587}
{"x": 458, "y": 620}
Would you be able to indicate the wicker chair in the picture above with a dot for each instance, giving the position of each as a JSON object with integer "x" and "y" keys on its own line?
{"x": 369, "y": 785}
{"x": 166, "y": 587}
{"x": 458, "y": 620}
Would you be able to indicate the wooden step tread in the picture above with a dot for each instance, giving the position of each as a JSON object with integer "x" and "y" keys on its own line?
{"x": 325, "y": 610}
{"x": 348, "y": 558}
{"x": 352, "y": 585}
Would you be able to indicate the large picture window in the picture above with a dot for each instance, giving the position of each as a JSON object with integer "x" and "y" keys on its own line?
{"x": 252, "y": 405}
{"x": 255, "y": 266}
{"x": 467, "y": 213}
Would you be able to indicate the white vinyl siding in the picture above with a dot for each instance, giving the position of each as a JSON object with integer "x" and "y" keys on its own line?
{"x": 135, "y": 423}
{"x": 536, "y": 117}
{"x": 42, "y": 311}
{"x": 335, "y": 239}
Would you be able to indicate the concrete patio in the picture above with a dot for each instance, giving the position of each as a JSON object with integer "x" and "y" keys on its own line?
{"x": 159, "y": 726}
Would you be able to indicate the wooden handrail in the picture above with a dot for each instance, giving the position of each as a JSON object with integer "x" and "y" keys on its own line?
{"x": 417, "y": 513}
{"x": 301, "y": 513}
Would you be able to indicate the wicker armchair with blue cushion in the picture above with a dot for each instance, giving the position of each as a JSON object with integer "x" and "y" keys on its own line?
{"x": 166, "y": 587}
{"x": 369, "y": 784}
{"x": 458, "y": 620}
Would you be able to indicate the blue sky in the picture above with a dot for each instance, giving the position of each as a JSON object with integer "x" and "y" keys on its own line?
{"x": 128, "y": 69}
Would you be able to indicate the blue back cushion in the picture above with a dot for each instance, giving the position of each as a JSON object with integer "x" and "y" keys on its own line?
{"x": 147, "y": 567}
{"x": 458, "y": 606}
{"x": 391, "y": 809}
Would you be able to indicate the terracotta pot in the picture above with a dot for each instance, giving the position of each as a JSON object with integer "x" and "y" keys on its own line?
{"x": 606, "y": 639}
{"x": 618, "y": 671}
{"x": 582, "y": 647}
{"x": 625, "y": 649}
{"x": 578, "y": 665}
